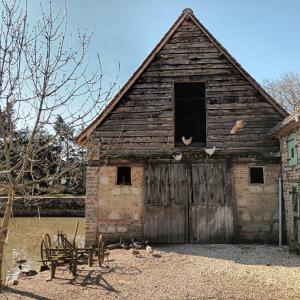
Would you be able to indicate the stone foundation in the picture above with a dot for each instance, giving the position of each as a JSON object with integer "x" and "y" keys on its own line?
{"x": 117, "y": 210}
{"x": 256, "y": 204}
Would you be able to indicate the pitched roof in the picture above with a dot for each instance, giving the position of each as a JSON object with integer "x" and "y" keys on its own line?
{"x": 187, "y": 13}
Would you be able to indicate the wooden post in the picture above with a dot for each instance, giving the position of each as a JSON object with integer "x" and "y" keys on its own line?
{"x": 74, "y": 268}
{"x": 52, "y": 269}
{"x": 90, "y": 258}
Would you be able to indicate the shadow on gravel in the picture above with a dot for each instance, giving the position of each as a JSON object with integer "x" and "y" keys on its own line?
{"x": 94, "y": 279}
{"x": 242, "y": 254}
{"x": 7, "y": 291}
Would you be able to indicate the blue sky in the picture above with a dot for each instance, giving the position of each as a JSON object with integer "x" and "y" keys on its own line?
{"x": 263, "y": 35}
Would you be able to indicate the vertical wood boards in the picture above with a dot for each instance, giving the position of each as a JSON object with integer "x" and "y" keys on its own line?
{"x": 189, "y": 203}
{"x": 166, "y": 196}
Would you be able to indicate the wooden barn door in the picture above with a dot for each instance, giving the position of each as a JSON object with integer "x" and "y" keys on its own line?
{"x": 211, "y": 208}
{"x": 188, "y": 203}
{"x": 167, "y": 193}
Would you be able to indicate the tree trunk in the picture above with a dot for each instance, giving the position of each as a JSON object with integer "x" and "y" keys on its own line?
{"x": 4, "y": 230}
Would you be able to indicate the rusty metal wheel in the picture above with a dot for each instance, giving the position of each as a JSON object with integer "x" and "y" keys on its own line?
{"x": 101, "y": 250}
{"x": 45, "y": 249}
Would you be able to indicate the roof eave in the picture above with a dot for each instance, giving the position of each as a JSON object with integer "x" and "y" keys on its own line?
{"x": 286, "y": 125}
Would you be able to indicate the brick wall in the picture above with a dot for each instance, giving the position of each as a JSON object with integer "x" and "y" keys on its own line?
{"x": 291, "y": 174}
{"x": 256, "y": 204}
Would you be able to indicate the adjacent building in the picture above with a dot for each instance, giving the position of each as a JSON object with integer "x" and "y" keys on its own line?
{"x": 288, "y": 132}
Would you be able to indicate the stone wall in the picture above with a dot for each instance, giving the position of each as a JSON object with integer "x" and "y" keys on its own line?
{"x": 120, "y": 207}
{"x": 256, "y": 204}
{"x": 291, "y": 174}
{"x": 46, "y": 206}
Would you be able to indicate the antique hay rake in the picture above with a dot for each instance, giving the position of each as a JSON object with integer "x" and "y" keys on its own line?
{"x": 63, "y": 251}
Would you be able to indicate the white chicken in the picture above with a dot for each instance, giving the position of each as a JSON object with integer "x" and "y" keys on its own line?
{"x": 239, "y": 124}
{"x": 149, "y": 249}
{"x": 177, "y": 156}
{"x": 187, "y": 142}
{"x": 210, "y": 151}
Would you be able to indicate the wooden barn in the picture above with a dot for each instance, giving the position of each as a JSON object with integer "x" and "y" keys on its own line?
{"x": 182, "y": 152}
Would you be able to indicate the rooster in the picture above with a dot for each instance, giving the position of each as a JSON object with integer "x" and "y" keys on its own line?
{"x": 187, "y": 142}
{"x": 210, "y": 151}
{"x": 239, "y": 124}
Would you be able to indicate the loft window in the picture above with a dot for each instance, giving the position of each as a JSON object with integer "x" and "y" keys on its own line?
{"x": 124, "y": 175}
{"x": 292, "y": 147}
{"x": 190, "y": 113}
{"x": 256, "y": 175}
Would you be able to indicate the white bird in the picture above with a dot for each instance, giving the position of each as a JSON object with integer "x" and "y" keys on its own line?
{"x": 187, "y": 142}
{"x": 177, "y": 156}
{"x": 149, "y": 249}
{"x": 210, "y": 151}
{"x": 239, "y": 124}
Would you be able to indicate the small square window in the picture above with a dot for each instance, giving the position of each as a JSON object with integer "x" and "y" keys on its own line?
{"x": 124, "y": 175}
{"x": 256, "y": 175}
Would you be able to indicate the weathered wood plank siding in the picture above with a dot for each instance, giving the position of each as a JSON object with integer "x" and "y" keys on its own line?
{"x": 167, "y": 193}
{"x": 143, "y": 119}
{"x": 189, "y": 202}
{"x": 211, "y": 210}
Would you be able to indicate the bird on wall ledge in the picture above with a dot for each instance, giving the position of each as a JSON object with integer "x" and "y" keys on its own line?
{"x": 210, "y": 151}
{"x": 187, "y": 142}
{"x": 177, "y": 156}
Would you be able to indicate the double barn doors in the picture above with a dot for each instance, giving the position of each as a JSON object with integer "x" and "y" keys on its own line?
{"x": 188, "y": 203}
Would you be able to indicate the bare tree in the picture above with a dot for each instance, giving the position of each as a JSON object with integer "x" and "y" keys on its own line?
{"x": 286, "y": 90}
{"x": 42, "y": 77}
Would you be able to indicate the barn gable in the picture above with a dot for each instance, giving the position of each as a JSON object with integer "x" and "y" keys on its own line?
{"x": 141, "y": 117}
{"x": 143, "y": 182}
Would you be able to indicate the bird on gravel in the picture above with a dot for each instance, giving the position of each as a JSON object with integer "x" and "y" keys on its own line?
{"x": 187, "y": 142}
{"x": 136, "y": 245}
{"x": 123, "y": 244}
{"x": 149, "y": 249}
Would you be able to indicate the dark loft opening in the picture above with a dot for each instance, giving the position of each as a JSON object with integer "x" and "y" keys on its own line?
{"x": 190, "y": 113}
{"x": 124, "y": 175}
{"x": 256, "y": 175}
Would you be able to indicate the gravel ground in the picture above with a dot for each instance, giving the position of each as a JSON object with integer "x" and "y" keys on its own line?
{"x": 175, "y": 272}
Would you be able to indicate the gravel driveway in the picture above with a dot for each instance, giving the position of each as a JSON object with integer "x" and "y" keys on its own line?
{"x": 176, "y": 272}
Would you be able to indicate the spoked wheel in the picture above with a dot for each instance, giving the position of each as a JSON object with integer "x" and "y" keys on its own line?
{"x": 101, "y": 250}
{"x": 45, "y": 249}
